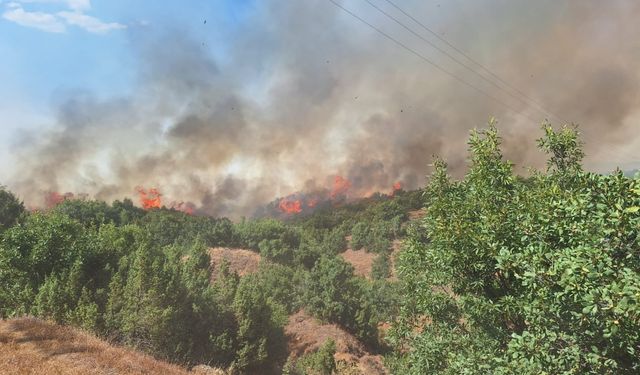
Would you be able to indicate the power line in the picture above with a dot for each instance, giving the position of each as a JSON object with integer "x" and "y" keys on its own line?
{"x": 430, "y": 62}
{"x": 386, "y": 14}
{"x": 469, "y": 58}
{"x": 435, "y": 65}
{"x": 472, "y": 60}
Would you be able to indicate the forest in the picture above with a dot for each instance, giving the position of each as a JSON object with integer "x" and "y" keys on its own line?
{"x": 503, "y": 274}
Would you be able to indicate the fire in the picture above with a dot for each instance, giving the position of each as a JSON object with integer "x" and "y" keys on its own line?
{"x": 186, "y": 207}
{"x": 397, "y": 186}
{"x": 340, "y": 186}
{"x": 290, "y": 206}
{"x": 54, "y": 198}
{"x": 313, "y": 202}
{"x": 149, "y": 198}
{"x": 299, "y": 202}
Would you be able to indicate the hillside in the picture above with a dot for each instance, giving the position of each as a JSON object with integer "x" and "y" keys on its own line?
{"x": 33, "y": 346}
{"x": 306, "y": 335}
{"x": 411, "y": 283}
{"x": 155, "y": 280}
{"x": 240, "y": 261}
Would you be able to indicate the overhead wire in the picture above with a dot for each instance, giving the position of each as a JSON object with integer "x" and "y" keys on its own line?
{"x": 440, "y": 68}
{"x": 538, "y": 105}
{"x": 430, "y": 62}
{"x": 466, "y": 66}
{"x": 531, "y": 101}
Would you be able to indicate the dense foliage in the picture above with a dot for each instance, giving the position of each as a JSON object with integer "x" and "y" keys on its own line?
{"x": 11, "y": 209}
{"x": 505, "y": 274}
{"x": 537, "y": 275}
{"x": 143, "y": 278}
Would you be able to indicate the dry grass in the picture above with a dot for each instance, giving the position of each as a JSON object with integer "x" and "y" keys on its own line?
{"x": 417, "y": 214}
{"x": 305, "y": 335}
{"x": 361, "y": 261}
{"x": 241, "y": 261}
{"x": 32, "y": 346}
{"x": 396, "y": 246}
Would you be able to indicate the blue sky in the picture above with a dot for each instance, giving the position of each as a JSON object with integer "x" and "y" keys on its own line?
{"x": 48, "y": 47}
{"x": 54, "y": 52}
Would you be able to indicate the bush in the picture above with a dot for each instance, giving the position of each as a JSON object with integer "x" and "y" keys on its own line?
{"x": 11, "y": 209}
{"x": 320, "y": 362}
{"x": 536, "y": 275}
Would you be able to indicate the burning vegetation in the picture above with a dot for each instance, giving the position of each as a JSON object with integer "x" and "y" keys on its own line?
{"x": 150, "y": 198}
{"x": 306, "y": 202}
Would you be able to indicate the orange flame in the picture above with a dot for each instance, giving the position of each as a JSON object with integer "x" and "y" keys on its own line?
{"x": 340, "y": 186}
{"x": 312, "y": 202}
{"x": 186, "y": 207}
{"x": 290, "y": 206}
{"x": 397, "y": 186}
{"x": 149, "y": 198}
{"x": 53, "y": 198}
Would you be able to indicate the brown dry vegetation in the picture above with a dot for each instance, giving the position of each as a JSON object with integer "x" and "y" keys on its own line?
{"x": 396, "y": 245}
{"x": 306, "y": 334}
{"x": 417, "y": 214}
{"x": 360, "y": 260}
{"x": 33, "y": 346}
{"x": 241, "y": 261}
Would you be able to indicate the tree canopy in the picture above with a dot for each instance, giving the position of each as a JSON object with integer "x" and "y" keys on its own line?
{"x": 536, "y": 275}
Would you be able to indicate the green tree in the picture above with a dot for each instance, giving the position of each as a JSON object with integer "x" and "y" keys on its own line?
{"x": 334, "y": 294}
{"x": 515, "y": 275}
{"x": 11, "y": 209}
{"x": 261, "y": 342}
{"x": 320, "y": 362}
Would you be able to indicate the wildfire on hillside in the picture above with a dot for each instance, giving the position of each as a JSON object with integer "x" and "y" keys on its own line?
{"x": 340, "y": 187}
{"x": 397, "y": 186}
{"x": 338, "y": 191}
{"x": 149, "y": 198}
{"x": 152, "y": 198}
{"x": 54, "y": 198}
{"x": 186, "y": 207}
{"x": 306, "y": 202}
{"x": 290, "y": 206}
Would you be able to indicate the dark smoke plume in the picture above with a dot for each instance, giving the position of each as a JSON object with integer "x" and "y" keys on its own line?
{"x": 307, "y": 93}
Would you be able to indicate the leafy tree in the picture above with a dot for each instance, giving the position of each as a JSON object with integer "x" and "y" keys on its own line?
{"x": 320, "y": 362}
{"x": 11, "y": 209}
{"x": 261, "y": 339}
{"x": 250, "y": 233}
{"x": 43, "y": 246}
{"x": 359, "y": 235}
{"x": 333, "y": 294}
{"x": 89, "y": 213}
{"x": 516, "y": 275}
{"x": 381, "y": 268}
{"x": 282, "y": 285}
{"x": 329, "y": 290}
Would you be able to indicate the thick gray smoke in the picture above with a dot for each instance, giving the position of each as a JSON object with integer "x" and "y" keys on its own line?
{"x": 306, "y": 93}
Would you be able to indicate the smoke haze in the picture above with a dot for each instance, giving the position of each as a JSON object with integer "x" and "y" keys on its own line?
{"x": 304, "y": 93}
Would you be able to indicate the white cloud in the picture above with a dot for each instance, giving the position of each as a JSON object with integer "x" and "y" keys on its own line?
{"x": 77, "y": 5}
{"x": 57, "y": 22}
{"x": 91, "y": 24}
{"x": 39, "y": 20}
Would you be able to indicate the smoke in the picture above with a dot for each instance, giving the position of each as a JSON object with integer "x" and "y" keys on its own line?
{"x": 304, "y": 93}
